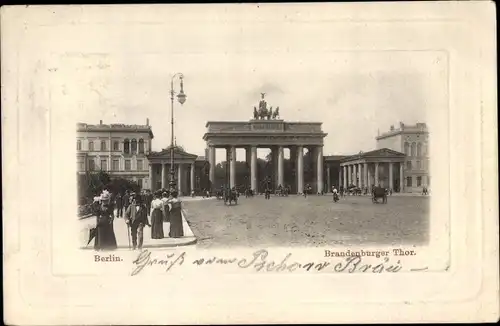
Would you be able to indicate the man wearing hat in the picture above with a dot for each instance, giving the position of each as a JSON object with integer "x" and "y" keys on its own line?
{"x": 136, "y": 217}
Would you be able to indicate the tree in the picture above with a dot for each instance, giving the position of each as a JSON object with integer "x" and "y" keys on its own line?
{"x": 93, "y": 183}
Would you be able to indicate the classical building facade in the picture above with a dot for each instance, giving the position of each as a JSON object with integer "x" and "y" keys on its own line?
{"x": 272, "y": 133}
{"x": 413, "y": 141}
{"x": 400, "y": 162}
{"x": 190, "y": 170}
{"x": 119, "y": 149}
{"x": 124, "y": 151}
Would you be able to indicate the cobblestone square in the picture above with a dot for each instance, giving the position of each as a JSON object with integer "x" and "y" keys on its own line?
{"x": 311, "y": 221}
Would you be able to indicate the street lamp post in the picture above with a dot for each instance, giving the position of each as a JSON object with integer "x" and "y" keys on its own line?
{"x": 181, "y": 97}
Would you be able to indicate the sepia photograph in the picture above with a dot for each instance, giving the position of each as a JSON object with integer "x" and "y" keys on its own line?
{"x": 249, "y": 163}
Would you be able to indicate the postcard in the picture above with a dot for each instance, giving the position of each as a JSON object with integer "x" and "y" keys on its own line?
{"x": 250, "y": 163}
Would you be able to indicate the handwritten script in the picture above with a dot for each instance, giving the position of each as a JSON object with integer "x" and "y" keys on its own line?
{"x": 260, "y": 262}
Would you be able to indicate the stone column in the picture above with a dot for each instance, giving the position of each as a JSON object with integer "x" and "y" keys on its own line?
{"x": 355, "y": 174}
{"x": 365, "y": 175}
{"x": 180, "y": 178}
{"x": 344, "y": 174}
{"x": 340, "y": 177}
{"x": 300, "y": 169}
{"x": 211, "y": 162}
{"x": 328, "y": 179}
{"x": 281, "y": 166}
{"x": 274, "y": 160}
{"x": 163, "y": 175}
{"x": 391, "y": 183}
{"x": 192, "y": 177}
{"x": 232, "y": 168}
{"x": 151, "y": 184}
{"x": 369, "y": 173}
{"x": 401, "y": 179}
{"x": 319, "y": 169}
{"x": 253, "y": 169}
{"x": 361, "y": 174}
{"x": 293, "y": 163}
{"x": 349, "y": 175}
{"x": 376, "y": 174}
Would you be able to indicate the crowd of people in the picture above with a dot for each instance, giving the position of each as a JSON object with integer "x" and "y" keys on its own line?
{"x": 137, "y": 209}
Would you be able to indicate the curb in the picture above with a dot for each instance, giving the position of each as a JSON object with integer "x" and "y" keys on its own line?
{"x": 189, "y": 242}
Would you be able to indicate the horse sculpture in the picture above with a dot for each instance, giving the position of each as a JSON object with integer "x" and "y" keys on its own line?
{"x": 276, "y": 113}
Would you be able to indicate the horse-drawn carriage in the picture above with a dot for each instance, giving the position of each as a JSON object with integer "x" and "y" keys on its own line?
{"x": 354, "y": 191}
{"x": 282, "y": 191}
{"x": 249, "y": 193}
{"x": 379, "y": 192}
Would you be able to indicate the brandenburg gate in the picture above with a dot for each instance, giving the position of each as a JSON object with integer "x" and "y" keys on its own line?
{"x": 267, "y": 130}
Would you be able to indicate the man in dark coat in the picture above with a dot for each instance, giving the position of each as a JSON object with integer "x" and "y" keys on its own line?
{"x": 119, "y": 205}
{"x": 136, "y": 218}
{"x": 126, "y": 200}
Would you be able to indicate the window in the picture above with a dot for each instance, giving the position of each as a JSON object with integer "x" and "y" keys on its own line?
{"x": 126, "y": 146}
{"x": 413, "y": 149}
{"x": 79, "y": 145}
{"x": 139, "y": 165}
{"x": 116, "y": 145}
{"x": 79, "y": 166}
{"x": 419, "y": 181}
{"x": 91, "y": 146}
{"x": 116, "y": 165}
{"x": 134, "y": 146}
{"x": 127, "y": 165}
{"x": 103, "y": 145}
{"x": 408, "y": 165}
{"x": 407, "y": 149}
{"x": 419, "y": 165}
{"x": 141, "y": 146}
{"x": 419, "y": 149}
{"x": 408, "y": 181}
{"x": 91, "y": 164}
{"x": 104, "y": 165}
{"x": 139, "y": 182}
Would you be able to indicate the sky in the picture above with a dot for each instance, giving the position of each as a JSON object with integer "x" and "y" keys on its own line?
{"x": 355, "y": 79}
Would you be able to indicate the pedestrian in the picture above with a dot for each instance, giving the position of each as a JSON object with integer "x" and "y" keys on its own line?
{"x": 175, "y": 212}
{"x": 165, "y": 210}
{"x": 119, "y": 205}
{"x": 105, "y": 236}
{"x": 136, "y": 218}
{"x": 149, "y": 198}
{"x": 335, "y": 194}
{"x": 157, "y": 218}
{"x": 126, "y": 200}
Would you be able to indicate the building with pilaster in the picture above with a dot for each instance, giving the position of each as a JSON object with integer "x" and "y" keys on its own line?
{"x": 400, "y": 162}
{"x": 413, "y": 141}
{"x": 118, "y": 149}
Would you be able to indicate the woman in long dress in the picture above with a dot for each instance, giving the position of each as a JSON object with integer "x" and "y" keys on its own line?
{"x": 157, "y": 218}
{"x": 175, "y": 206}
{"x": 166, "y": 213}
{"x": 105, "y": 236}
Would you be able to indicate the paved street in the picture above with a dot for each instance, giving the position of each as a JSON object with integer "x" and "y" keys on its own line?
{"x": 316, "y": 220}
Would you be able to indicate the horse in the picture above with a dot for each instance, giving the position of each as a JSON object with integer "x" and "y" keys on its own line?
{"x": 219, "y": 194}
{"x": 379, "y": 192}
{"x": 248, "y": 193}
{"x": 230, "y": 196}
{"x": 276, "y": 113}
